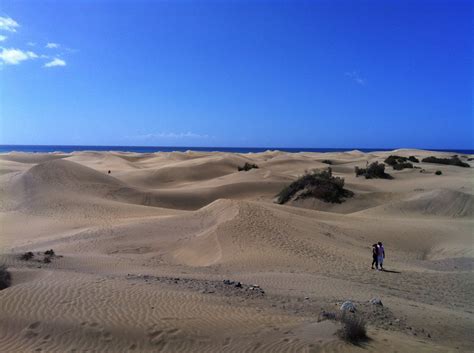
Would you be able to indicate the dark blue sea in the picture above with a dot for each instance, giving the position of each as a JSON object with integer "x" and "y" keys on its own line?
{"x": 149, "y": 149}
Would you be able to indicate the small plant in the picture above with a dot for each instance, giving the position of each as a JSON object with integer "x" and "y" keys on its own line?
{"x": 373, "y": 170}
{"x": 247, "y": 166}
{"x": 327, "y": 161}
{"x": 354, "y": 328}
{"x": 27, "y": 256}
{"x": 5, "y": 277}
{"x": 413, "y": 159}
{"x": 47, "y": 259}
{"x": 49, "y": 252}
{"x": 318, "y": 184}
{"x": 438, "y": 172}
{"x": 449, "y": 161}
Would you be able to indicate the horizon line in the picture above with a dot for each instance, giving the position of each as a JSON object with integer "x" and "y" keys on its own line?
{"x": 249, "y": 147}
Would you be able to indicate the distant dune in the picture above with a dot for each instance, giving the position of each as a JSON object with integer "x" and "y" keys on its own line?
{"x": 145, "y": 248}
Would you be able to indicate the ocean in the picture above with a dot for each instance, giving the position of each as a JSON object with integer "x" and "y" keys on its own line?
{"x": 150, "y": 149}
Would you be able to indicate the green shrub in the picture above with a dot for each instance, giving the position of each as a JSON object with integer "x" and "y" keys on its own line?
{"x": 247, "y": 166}
{"x": 393, "y": 159}
{"x": 354, "y": 328}
{"x": 449, "y": 161}
{"x": 5, "y": 277}
{"x": 327, "y": 161}
{"x": 27, "y": 256}
{"x": 400, "y": 166}
{"x": 438, "y": 172}
{"x": 374, "y": 170}
{"x": 399, "y": 162}
{"x": 318, "y": 184}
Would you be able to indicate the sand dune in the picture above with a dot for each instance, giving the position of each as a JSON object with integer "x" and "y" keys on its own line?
{"x": 145, "y": 250}
{"x": 437, "y": 203}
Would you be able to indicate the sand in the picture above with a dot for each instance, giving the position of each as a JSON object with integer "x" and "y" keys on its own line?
{"x": 143, "y": 253}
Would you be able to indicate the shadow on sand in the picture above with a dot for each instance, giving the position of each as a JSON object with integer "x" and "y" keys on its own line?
{"x": 390, "y": 271}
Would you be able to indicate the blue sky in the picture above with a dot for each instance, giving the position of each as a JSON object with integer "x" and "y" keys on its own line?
{"x": 237, "y": 73}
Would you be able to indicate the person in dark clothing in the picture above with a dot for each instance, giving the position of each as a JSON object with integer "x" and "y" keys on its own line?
{"x": 374, "y": 256}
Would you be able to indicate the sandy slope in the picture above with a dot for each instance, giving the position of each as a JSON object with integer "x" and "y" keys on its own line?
{"x": 145, "y": 249}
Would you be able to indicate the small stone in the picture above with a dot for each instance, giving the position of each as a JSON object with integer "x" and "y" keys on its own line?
{"x": 306, "y": 298}
{"x": 376, "y": 301}
{"x": 348, "y": 305}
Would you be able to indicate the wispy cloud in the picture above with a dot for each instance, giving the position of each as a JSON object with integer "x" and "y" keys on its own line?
{"x": 55, "y": 62}
{"x": 8, "y": 24}
{"x": 13, "y": 56}
{"x": 168, "y": 135}
{"x": 52, "y": 45}
{"x": 354, "y": 75}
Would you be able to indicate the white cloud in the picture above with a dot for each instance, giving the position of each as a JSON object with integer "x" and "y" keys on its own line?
{"x": 354, "y": 75}
{"x": 169, "y": 135}
{"x": 3, "y": 38}
{"x": 8, "y": 24}
{"x": 55, "y": 62}
{"x": 31, "y": 55}
{"x": 15, "y": 56}
{"x": 52, "y": 45}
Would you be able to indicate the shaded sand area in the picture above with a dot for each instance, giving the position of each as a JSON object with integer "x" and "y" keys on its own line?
{"x": 143, "y": 252}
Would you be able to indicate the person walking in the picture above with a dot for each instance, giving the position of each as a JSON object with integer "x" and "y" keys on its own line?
{"x": 380, "y": 255}
{"x": 374, "y": 256}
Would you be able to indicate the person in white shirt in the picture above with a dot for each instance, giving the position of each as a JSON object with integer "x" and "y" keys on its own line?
{"x": 380, "y": 255}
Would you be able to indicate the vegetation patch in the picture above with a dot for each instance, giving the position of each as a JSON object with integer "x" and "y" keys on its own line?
{"x": 394, "y": 159}
{"x": 438, "y": 172}
{"x": 454, "y": 160}
{"x": 327, "y": 161}
{"x": 45, "y": 257}
{"x": 400, "y": 166}
{"x": 354, "y": 328}
{"x": 27, "y": 256}
{"x": 5, "y": 277}
{"x": 247, "y": 166}
{"x": 374, "y": 170}
{"x": 318, "y": 184}
{"x": 399, "y": 162}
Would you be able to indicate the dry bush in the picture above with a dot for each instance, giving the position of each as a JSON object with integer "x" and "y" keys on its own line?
{"x": 354, "y": 328}
{"x": 318, "y": 184}
{"x": 5, "y": 277}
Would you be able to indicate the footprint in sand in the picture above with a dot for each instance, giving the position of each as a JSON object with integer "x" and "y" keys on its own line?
{"x": 226, "y": 342}
{"x": 161, "y": 336}
{"x": 32, "y": 330}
